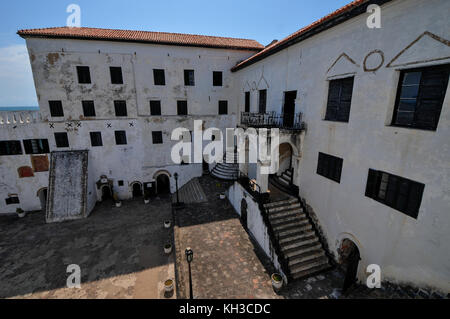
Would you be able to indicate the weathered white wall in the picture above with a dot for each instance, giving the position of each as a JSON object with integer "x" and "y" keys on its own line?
{"x": 408, "y": 250}
{"x": 54, "y": 70}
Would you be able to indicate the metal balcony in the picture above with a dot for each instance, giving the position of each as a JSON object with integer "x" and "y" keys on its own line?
{"x": 273, "y": 120}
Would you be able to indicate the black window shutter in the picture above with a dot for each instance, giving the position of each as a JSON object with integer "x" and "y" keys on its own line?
{"x": 433, "y": 85}
{"x": 414, "y": 199}
{"x": 339, "y": 99}
{"x": 333, "y": 100}
{"x": 27, "y": 146}
{"x": 372, "y": 183}
{"x": 45, "y": 148}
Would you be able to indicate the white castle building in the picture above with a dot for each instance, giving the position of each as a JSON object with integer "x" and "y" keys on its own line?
{"x": 363, "y": 114}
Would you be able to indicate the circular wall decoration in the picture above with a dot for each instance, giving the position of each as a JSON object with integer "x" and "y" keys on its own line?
{"x": 373, "y": 61}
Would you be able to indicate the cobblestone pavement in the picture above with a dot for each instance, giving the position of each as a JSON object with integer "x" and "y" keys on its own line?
{"x": 225, "y": 263}
{"x": 119, "y": 250}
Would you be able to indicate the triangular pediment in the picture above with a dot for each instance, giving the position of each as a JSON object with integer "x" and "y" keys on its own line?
{"x": 426, "y": 48}
{"x": 344, "y": 64}
{"x": 247, "y": 87}
{"x": 262, "y": 83}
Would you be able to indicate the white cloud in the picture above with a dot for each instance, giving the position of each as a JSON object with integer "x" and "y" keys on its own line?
{"x": 16, "y": 79}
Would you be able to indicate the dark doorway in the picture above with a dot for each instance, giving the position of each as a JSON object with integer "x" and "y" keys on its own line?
{"x": 244, "y": 213}
{"x": 247, "y": 101}
{"x": 262, "y": 101}
{"x": 150, "y": 189}
{"x": 289, "y": 108}
{"x": 163, "y": 184}
{"x": 42, "y": 194}
{"x": 205, "y": 167}
{"x": 106, "y": 193}
{"x": 349, "y": 259}
{"x": 137, "y": 190}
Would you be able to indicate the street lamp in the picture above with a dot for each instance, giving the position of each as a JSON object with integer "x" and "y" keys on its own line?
{"x": 178, "y": 204}
{"x": 189, "y": 256}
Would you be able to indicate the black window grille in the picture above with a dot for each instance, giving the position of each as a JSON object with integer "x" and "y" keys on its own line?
{"x": 420, "y": 96}
{"x": 56, "y": 109}
{"x": 121, "y": 108}
{"x": 182, "y": 108}
{"x": 397, "y": 192}
{"x": 116, "y": 75}
{"x": 330, "y": 167}
{"x": 223, "y": 107}
{"x": 339, "y": 100}
{"x": 61, "y": 139}
{"x": 155, "y": 107}
{"x": 217, "y": 78}
{"x": 159, "y": 77}
{"x": 36, "y": 146}
{"x": 121, "y": 137}
{"x": 189, "y": 79}
{"x": 157, "y": 137}
{"x": 96, "y": 138}
{"x": 84, "y": 76}
{"x": 88, "y": 108}
{"x": 10, "y": 148}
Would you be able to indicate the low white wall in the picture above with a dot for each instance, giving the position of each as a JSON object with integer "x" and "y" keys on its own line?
{"x": 255, "y": 222}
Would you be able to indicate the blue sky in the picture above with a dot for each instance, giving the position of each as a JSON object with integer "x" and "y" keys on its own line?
{"x": 261, "y": 20}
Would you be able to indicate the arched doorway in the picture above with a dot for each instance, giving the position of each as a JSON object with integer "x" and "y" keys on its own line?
{"x": 285, "y": 157}
{"x": 42, "y": 194}
{"x": 163, "y": 184}
{"x": 244, "y": 213}
{"x": 106, "y": 192}
{"x": 136, "y": 189}
{"x": 349, "y": 258}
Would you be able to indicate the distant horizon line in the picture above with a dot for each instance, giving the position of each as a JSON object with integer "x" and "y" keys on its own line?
{"x": 17, "y": 108}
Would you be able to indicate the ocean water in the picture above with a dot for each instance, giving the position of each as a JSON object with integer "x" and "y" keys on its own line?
{"x": 19, "y": 108}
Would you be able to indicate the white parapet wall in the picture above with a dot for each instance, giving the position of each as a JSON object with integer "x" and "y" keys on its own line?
{"x": 237, "y": 195}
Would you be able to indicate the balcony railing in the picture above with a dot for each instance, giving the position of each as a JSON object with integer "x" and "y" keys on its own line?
{"x": 273, "y": 120}
{"x": 19, "y": 117}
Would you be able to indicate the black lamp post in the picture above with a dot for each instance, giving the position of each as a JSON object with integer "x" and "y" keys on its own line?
{"x": 176, "y": 185}
{"x": 189, "y": 256}
{"x": 178, "y": 204}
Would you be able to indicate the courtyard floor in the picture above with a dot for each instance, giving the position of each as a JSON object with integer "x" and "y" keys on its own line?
{"x": 120, "y": 253}
{"x": 226, "y": 263}
{"x": 119, "y": 250}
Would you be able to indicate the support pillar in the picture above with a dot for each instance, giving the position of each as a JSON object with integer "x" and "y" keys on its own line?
{"x": 262, "y": 179}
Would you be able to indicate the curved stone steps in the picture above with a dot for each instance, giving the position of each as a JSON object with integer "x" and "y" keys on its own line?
{"x": 226, "y": 171}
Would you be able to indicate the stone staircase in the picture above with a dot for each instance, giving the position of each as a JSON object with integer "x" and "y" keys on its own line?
{"x": 299, "y": 245}
{"x": 227, "y": 171}
{"x": 282, "y": 182}
{"x": 191, "y": 192}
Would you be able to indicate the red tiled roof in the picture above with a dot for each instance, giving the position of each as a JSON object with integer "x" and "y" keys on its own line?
{"x": 275, "y": 47}
{"x": 143, "y": 36}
